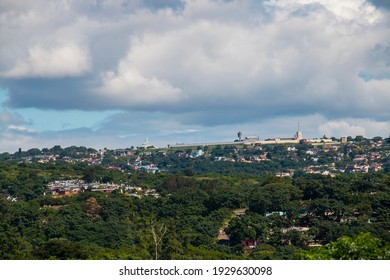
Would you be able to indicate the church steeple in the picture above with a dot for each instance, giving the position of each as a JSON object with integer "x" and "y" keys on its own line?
{"x": 146, "y": 143}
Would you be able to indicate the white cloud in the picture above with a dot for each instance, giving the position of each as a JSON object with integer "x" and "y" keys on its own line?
{"x": 354, "y": 127}
{"x": 10, "y": 119}
{"x": 352, "y": 10}
{"x": 231, "y": 53}
{"x": 305, "y": 61}
{"x": 65, "y": 60}
{"x": 13, "y": 131}
{"x": 377, "y": 97}
{"x": 341, "y": 128}
{"x": 211, "y": 64}
{"x": 129, "y": 88}
{"x": 19, "y": 128}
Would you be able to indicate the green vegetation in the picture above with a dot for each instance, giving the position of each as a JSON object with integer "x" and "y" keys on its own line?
{"x": 359, "y": 247}
{"x": 190, "y": 210}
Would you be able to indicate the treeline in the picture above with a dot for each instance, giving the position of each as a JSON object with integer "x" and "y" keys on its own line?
{"x": 72, "y": 151}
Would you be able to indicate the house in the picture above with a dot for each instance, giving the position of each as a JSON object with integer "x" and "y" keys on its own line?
{"x": 310, "y": 152}
{"x": 280, "y": 213}
{"x": 8, "y": 197}
{"x": 197, "y": 153}
{"x": 255, "y": 158}
{"x": 376, "y": 167}
{"x": 360, "y": 159}
{"x": 299, "y": 229}
{"x": 151, "y": 168}
{"x": 243, "y": 159}
{"x": 250, "y": 244}
{"x": 356, "y": 168}
{"x": 283, "y": 174}
{"x": 134, "y": 195}
{"x": 239, "y": 212}
{"x": 348, "y": 219}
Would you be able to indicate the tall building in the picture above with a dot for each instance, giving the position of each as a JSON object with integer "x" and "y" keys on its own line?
{"x": 147, "y": 145}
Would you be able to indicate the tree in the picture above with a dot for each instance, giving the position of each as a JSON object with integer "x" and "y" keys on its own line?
{"x": 56, "y": 149}
{"x": 377, "y": 139}
{"x": 295, "y": 238}
{"x": 273, "y": 197}
{"x": 158, "y": 234}
{"x": 188, "y": 172}
{"x": 34, "y": 152}
{"x": 225, "y": 197}
{"x": 89, "y": 174}
{"x": 359, "y": 247}
{"x": 61, "y": 249}
{"x": 359, "y": 138}
{"x": 92, "y": 208}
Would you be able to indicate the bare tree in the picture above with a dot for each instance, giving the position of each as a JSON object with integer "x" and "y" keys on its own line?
{"x": 158, "y": 234}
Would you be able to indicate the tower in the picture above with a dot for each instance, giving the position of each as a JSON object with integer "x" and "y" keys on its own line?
{"x": 298, "y": 136}
{"x": 146, "y": 143}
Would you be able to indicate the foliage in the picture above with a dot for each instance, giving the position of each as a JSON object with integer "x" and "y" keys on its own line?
{"x": 196, "y": 201}
{"x": 359, "y": 247}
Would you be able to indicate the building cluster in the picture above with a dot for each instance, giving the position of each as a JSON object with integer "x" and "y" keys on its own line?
{"x": 252, "y": 140}
{"x": 89, "y": 158}
{"x": 70, "y": 187}
{"x": 326, "y": 156}
{"x": 305, "y": 232}
{"x": 8, "y": 197}
{"x": 315, "y": 156}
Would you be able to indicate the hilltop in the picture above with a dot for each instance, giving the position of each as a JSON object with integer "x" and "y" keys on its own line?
{"x": 238, "y": 201}
{"x": 327, "y": 157}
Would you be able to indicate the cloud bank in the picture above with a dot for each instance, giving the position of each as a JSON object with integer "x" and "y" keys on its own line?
{"x": 202, "y": 63}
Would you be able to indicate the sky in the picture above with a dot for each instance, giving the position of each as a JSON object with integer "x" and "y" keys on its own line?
{"x": 110, "y": 73}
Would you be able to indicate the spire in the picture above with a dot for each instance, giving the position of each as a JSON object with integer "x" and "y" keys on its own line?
{"x": 146, "y": 143}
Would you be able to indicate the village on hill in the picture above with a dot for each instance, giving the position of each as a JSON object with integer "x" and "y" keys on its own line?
{"x": 247, "y": 199}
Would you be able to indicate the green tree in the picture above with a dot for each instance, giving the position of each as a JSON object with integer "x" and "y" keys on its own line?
{"x": 359, "y": 247}
{"x": 273, "y": 197}
{"x": 61, "y": 249}
{"x": 89, "y": 174}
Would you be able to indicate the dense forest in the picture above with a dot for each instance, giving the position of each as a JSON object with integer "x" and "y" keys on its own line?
{"x": 195, "y": 215}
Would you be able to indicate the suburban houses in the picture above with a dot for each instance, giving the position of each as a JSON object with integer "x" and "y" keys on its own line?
{"x": 329, "y": 158}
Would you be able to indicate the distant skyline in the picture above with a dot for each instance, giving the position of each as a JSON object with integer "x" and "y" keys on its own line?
{"x": 110, "y": 73}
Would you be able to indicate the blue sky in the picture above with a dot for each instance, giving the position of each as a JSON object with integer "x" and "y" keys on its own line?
{"x": 42, "y": 120}
{"x": 110, "y": 73}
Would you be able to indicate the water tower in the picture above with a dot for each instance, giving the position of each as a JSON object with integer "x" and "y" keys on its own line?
{"x": 239, "y": 134}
